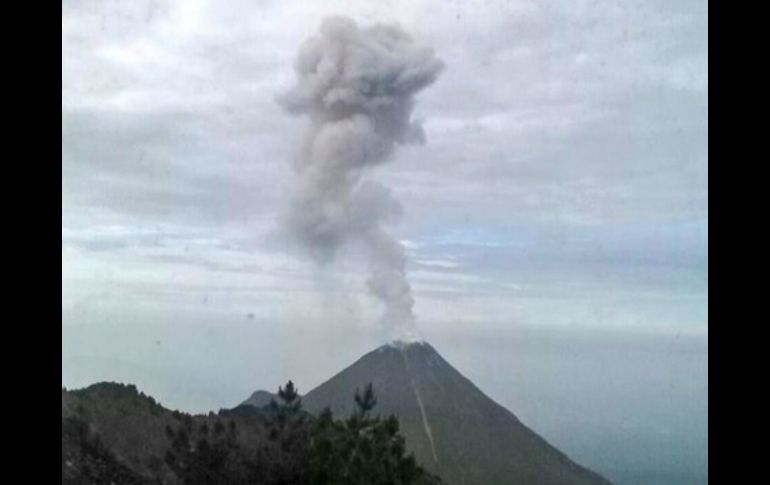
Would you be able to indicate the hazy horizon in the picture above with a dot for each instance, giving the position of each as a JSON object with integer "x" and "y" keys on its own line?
{"x": 643, "y": 419}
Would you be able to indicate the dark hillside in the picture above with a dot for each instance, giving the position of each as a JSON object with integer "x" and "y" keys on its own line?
{"x": 112, "y": 433}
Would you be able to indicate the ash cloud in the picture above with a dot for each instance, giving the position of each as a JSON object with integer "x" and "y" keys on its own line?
{"x": 357, "y": 86}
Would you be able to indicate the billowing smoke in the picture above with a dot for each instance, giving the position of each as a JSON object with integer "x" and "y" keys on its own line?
{"x": 357, "y": 85}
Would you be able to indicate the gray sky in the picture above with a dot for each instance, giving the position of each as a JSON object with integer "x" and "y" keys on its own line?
{"x": 563, "y": 185}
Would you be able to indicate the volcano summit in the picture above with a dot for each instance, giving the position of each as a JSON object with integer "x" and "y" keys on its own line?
{"x": 453, "y": 428}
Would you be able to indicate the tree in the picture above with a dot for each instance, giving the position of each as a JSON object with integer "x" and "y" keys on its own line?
{"x": 286, "y": 456}
{"x": 302, "y": 450}
{"x": 290, "y": 397}
{"x": 365, "y": 402}
{"x": 362, "y": 449}
{"x": 204, "y": 461}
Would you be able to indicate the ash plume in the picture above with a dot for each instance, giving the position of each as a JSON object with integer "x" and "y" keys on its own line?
{"x": 357, "y": 86}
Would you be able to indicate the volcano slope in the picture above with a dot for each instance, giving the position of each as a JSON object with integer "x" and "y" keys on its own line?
{"x": 453, "y": 428}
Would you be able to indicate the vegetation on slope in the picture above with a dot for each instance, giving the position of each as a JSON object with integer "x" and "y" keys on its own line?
{"x": 113, "y": 434}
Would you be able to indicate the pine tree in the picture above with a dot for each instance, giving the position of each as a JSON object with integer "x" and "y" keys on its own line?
{"x": 362, "y": 449}
{"x": 290, "y": 397}
{"x": 365, "y": 402}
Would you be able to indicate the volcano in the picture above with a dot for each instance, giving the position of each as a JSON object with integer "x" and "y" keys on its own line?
{"x": 453, "y": 429}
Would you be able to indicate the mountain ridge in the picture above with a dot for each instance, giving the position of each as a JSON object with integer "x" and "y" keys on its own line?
{"x": 114, "y": 434}
{"x": 260, "y": 398}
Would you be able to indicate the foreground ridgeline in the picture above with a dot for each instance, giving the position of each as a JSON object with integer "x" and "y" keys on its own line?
{"x": 113, "y": 434}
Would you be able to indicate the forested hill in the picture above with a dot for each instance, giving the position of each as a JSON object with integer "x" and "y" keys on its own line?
{"x": 112, "y": 433}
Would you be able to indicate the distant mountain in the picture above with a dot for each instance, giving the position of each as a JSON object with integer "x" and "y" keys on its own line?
{"x": 260, "y": 399}
{"x": 453, "y": 428}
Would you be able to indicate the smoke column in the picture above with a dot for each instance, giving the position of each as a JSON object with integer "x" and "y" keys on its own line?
{"x": 357, "y": 86}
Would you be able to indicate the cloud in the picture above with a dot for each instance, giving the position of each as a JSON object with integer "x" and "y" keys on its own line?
{"x": 568, "y": 136}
